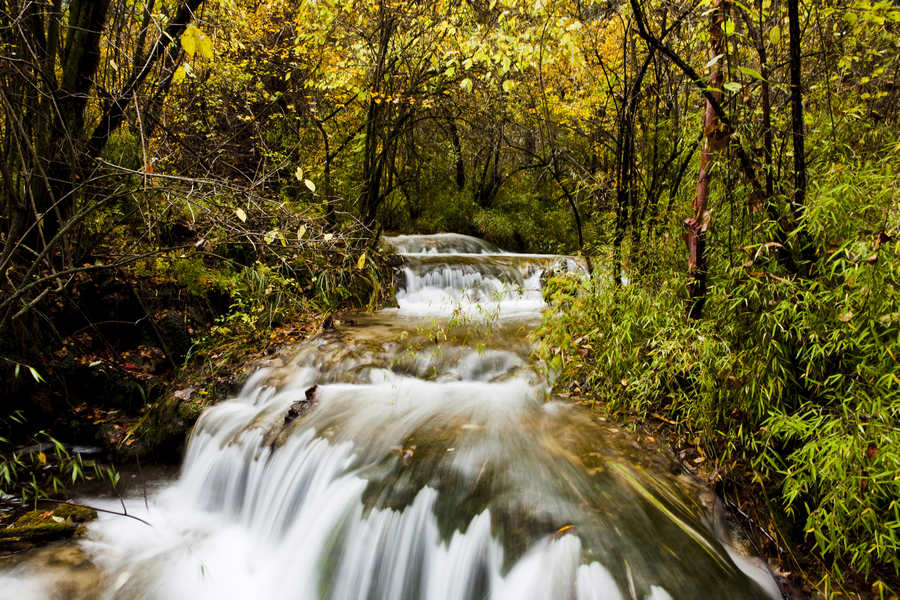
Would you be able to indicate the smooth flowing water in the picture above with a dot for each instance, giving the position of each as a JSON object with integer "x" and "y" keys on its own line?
{"x": 430, "y": 462}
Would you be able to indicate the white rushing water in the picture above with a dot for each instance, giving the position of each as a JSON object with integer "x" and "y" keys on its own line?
{"x": 447, "y": 275}
{"x": 428, "y": 468}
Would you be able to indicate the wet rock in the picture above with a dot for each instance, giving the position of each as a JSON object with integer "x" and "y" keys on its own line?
{"x": 186, "y": 393}
{"x": 65, "y": 573}
{"x": 161, "y": 433}
{"x": 394, "y": 261}
{"x": 301, "y": 407}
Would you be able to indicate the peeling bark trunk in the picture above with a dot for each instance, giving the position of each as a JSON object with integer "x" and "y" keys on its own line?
{"x": 697, "y": 225}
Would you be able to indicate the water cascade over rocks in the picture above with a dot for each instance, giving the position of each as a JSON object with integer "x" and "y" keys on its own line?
{"x": 429, "y": 462}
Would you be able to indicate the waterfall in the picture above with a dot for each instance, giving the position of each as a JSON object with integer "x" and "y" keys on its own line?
{"x": 434, "y": 464}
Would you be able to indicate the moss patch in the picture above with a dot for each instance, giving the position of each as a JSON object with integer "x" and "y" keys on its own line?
{"x": 38, "y": 527}
{"x": 75, "y": 513}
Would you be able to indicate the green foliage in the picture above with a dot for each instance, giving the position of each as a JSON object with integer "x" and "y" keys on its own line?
{"x": 630, "y": 348}
{"x": 261, "y": 300}
{"x": 795, "y": 378}
{"x": 265, "y": 296}
{"x": 42, "y": 467}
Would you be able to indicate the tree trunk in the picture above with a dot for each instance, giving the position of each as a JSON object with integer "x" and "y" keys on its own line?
{"x": 457, "y": 151}
{"x": 798, "y": 201}
{"x": 377, "y": 115}
{"x": 697, "y": 226}
{"x": 61, "y": 145}
{"x": 796, "y": 110}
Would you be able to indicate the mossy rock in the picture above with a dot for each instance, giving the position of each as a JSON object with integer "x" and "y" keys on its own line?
{"x": 189, "y": 411}
{"x": 33, "y": 528}
{"x": 37, "y": 527}
{"x": 75, "y": 513}
{"x": 37, "y": 519}
{"x": 163, "y": 430}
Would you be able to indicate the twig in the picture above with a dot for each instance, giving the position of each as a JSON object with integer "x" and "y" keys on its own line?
{"x": 143, "y": 482}
{"x": 124, "y": 512}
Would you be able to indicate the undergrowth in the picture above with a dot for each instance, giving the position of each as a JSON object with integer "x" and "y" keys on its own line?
{"x": 791, "y": 382}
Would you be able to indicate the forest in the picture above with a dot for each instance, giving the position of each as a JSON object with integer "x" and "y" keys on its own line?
{"x": 190, "y": 185}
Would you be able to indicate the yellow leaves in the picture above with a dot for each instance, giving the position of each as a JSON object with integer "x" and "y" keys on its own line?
{"x": 565, "y": 529}
{"x": 271, "y": 236}
{"x": 379, "y": 98}
{"x": 750, "y": 72}
{"x": 298, "y": 175}
{"x": 241, "y": 214}
{"x": 205, "y": 47}
{"x": 361, "y": 263}
{"x": 713, "y": 61}
{"x": 729, "y": 27}
{"x": 194, "y": 41}
{"x": 189, "y": 41}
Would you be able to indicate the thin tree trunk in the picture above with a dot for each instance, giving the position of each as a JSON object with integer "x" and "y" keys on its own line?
{"x": 457, "y": 150}
{"x": 114, "y": 109}
{"x": 766, "y": 110}
{"x": 60, "y": 145}
{"x": 330, "y": 215}
{"x": 797, "y": 110}
{"x": 570, "y": 198}
{"x": 373, "y": 159}
{"x": 798, "y": 201}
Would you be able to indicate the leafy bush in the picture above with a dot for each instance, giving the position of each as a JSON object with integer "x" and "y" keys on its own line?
{"x": 793, "y": 378}
{"x": 631, "y": 349}
{"x": 43, "y": 468}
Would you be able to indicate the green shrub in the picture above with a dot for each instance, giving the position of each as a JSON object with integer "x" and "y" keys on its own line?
{"x": 41, "y": 468}
{"x": 795, "y": 378}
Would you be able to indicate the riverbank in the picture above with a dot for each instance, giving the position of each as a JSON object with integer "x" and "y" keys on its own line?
{"x": 117, "y": 366}
{"x": 805, "y": 459}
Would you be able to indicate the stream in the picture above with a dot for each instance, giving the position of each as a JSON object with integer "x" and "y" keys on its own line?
{"x": 413, "y": 453}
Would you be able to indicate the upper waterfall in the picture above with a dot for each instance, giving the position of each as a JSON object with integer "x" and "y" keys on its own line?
{"x": 452, "y": 274}
{"x": 441, "y": 243}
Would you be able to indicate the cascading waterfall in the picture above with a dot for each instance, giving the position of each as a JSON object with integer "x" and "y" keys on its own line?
{"x": 449, "y": 274}
{"x": 433, "y": 465}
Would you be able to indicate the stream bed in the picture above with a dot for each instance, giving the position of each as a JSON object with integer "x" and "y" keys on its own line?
{"x": 414, "y": 453}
